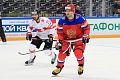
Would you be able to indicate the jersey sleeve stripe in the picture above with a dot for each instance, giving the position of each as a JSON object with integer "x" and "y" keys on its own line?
{"x": 59, "y": 27}
{"x": 85, "y": 24}
{"x": 31, "y": 27}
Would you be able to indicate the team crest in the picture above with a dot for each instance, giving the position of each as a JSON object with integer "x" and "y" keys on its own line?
{"x": 71, "y": 33}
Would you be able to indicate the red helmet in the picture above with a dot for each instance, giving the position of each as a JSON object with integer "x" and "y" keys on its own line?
{"x": 70, "y": 7}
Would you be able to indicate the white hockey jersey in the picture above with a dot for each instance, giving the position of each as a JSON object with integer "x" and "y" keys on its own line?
{"x": 43, "y": 28}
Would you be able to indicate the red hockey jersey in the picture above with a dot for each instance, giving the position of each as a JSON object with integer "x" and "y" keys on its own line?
{"x": 70, "y": 30}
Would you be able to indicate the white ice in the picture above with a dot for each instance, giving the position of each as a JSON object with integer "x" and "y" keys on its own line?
{"x": 102, "y": 62}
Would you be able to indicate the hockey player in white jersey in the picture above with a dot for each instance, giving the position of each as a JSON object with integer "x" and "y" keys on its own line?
{"x": 44, "y": 33}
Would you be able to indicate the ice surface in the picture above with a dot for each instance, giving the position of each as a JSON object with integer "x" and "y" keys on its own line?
{"x": 102, "y": 62}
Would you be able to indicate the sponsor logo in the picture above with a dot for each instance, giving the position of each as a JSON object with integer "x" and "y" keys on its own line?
{"x": 105, "y": 26}
{"x": 15, "y": 28}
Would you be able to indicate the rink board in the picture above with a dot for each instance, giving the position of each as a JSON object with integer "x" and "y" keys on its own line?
{"x": 15, "y": 28}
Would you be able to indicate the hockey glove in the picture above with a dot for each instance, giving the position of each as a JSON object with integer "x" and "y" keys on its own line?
{"x": 28, "y": 36}
{"x": 58, "y": 45}
{"x": 50, "y": 36}
{"x": 85, "y": 38}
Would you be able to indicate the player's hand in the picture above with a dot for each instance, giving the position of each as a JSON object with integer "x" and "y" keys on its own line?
{"x": 85, "y": 38}
{"x": 118, "y": 10}
{"x": 50, "y": 36}
{"x": 28, "y": 36}
{"x": 58, "y": 45}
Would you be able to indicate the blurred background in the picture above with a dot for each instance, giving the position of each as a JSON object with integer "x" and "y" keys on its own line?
{"x": 55, "y": 8}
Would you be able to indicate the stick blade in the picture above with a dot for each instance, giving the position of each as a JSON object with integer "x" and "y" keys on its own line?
{"x": 23, "y": 53}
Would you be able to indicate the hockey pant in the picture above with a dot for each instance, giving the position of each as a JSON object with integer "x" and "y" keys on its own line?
{"x": 37, "y": 43}
{"x": 78, "y": 52}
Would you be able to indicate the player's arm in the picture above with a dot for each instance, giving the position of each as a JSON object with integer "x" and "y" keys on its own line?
{"x": 29, "y": 31}
{"x": 50, "y": 26}
{"x": 51, "y": 29}
{"x": 86, "y": 30}
{"x": 60, "y": 33}
{"x": 61, "y": 36}
{"x": 30, "y": 27}
{"x": 85, "y": 26}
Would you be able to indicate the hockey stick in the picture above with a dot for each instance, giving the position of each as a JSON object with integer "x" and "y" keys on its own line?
{"x": 40, "y": 39}
{"x": 35, "y": 51}
{"x": 43, "y": 50}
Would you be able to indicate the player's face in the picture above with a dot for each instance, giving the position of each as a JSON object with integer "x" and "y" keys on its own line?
{"x": 69, "y": 13}
{"x": 118, "y": 2}
{"x": 35, "y": 16}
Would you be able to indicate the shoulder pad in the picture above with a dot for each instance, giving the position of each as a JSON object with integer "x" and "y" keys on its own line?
{"x": 63, "y": 18}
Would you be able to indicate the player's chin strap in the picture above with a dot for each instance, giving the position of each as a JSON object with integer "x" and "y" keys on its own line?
{"x": 37, "y": 20}
{"x": 70, "y": 41}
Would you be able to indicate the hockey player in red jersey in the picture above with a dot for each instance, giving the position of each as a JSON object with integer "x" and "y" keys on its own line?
{"x": 73, "y": 33}
{"x": 44, "y": 33}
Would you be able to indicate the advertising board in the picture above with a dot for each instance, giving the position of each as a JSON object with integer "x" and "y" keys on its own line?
{"x": 15, "y": 28}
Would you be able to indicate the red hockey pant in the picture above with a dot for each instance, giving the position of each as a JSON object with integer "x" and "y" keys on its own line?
{"x": 78, "y": 52}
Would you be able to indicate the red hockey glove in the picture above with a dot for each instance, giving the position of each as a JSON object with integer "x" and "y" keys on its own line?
{"x": 85, "y": 38}
{"x": 50, "y": 36}
{"x": 58, "y": 45}
{"x": 28, "y": 36}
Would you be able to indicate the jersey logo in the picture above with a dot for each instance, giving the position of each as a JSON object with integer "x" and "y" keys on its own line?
{"x": 71, "y": 33}
{"x": 42, "y": 20}
{"x": 77, "y": 17}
